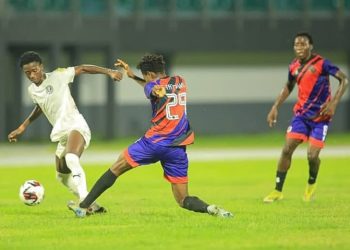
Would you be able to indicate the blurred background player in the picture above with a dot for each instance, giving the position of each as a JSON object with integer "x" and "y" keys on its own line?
{"x": 165, "y": 141}
{"x": 313, "y": 111}
{"x": 51, "y": 95}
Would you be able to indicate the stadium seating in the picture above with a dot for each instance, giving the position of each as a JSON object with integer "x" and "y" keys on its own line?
{"x": 22, "y": 5}
{"x": 255, "y": 5}
{"x": 324, "y": 5}
{"x": 128, "y": 7}
{"x": 288, "y": 5}
{"x": 56, "y": 5}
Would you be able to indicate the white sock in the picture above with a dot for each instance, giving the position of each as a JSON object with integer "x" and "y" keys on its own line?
{"x": 67, "y": 180}
{"x": 78, "y": 174}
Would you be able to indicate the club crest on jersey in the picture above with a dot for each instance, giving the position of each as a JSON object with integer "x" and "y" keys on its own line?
{"x": 312, "y": 69}
{"x": 49, "y": 89}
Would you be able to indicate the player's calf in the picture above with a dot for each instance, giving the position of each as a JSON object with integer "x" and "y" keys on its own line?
{"x": 195, "y": 204}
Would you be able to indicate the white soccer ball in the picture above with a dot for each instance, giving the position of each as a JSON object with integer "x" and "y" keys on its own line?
{"x": 31, "y": 192}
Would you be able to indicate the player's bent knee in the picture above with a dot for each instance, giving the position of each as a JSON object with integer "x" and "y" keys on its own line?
{"x": 313, "y": 156}
{"x": 120, "y": 167}
{"x": 287, "y": 151}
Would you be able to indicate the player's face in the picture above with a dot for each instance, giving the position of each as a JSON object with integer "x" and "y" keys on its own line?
{"x": 302, "y": 47}
{"x": 34, "y": 72}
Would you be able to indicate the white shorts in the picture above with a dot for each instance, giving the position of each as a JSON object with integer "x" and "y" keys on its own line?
{"x": 79, "y": 125}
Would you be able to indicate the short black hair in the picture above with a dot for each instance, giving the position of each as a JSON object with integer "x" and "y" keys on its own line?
{"x": 28, "y": 57}
{"x": 152, "y": 62}
{"x": 305, "y": 34}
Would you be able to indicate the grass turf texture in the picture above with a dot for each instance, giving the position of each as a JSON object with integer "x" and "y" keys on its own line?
{"x": 143, "y": 214}
{"x": 224, "y": 141}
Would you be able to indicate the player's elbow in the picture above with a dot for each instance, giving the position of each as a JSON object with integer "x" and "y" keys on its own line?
{"x": 79, "y": 69}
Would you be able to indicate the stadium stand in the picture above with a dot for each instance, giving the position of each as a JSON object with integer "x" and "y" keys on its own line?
{"x": 128, "y": 7}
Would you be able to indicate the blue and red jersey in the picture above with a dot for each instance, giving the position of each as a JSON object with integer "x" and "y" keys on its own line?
{"x": 170, "y": 125}
{"x": 313, "y": 83}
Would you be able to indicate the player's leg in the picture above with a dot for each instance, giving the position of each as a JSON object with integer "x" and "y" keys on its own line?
{"x": 135, "y": 155}
{"x": 283, "y": 166}
{"x": 314, "y": 165}
{"x": 193, "y": 203}
{"x": 317, "y": 138}
{"x": 175, "y": 164}
{"x": 106, "y": 180}
{"x": 297, "y": 133}
{"x": 76, "y": 143}
{"x": 64, "y": 175}
{"x": 74, "y": 149}
{"x": 285, "y": 161}
{"x": 102, "y": 184}
{"x": 314, "y": 162}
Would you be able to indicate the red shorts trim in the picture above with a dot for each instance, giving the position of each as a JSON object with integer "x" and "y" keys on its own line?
{"x": 129, "y": 159}
{"x": 316, "y": 143}
{"x": 188, "y": 140}
{"x": 176, "y": 180}
{"x": 293, "y": 135}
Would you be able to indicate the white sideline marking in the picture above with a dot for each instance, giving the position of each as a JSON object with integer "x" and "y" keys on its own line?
{"x": 36, "y": 155}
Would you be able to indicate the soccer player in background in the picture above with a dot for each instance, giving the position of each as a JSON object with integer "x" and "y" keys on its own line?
{"x": 165, "y": 141}
{"x": 313, "y": 111}
{"x": 51, "y": 95}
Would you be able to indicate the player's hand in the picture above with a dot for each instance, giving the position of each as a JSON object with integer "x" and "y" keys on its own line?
{"x": 115, "y": 75}
{"x": 272, "y": 117}
{"x": 12, "y": 137}
{"x": 125, "y": 66}
{"x": 158, "y": 91}
{"x": 328, "y": 109}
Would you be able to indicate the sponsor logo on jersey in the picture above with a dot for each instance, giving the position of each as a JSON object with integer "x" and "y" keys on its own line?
{"x": 296, "y": 73}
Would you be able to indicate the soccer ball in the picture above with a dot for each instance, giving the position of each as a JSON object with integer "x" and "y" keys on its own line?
{"x": 31, "y": 192}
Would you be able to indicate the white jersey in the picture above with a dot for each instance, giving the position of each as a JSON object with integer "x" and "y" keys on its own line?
{"x": 55, "y": 100}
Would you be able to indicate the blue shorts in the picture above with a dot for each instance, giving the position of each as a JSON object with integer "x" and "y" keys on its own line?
{"x": 173, "y": 159}
{"x": 304, "y": 129}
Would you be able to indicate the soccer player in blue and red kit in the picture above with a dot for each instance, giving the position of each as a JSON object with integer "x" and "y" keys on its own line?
{"x": 313, "y": 111}
{"x": 165, "y": 141}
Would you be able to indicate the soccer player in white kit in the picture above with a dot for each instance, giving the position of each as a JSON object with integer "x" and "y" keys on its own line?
{"x": 51, "y": 95}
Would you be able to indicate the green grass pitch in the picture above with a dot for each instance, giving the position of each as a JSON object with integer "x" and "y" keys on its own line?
{"x": 144, "y": 215}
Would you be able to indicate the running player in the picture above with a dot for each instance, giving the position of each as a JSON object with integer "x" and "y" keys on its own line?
{"x": 313, "y": 111}
{"x": 51, "y": 95}
{"x": 165, "y": 141}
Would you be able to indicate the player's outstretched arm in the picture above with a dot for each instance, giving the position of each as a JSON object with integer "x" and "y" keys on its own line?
{"x": 129, "y": 72}
{"x": 12, "y": 137}
{"x": 93, "y": 69}
{"x": 328, "y": 109}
